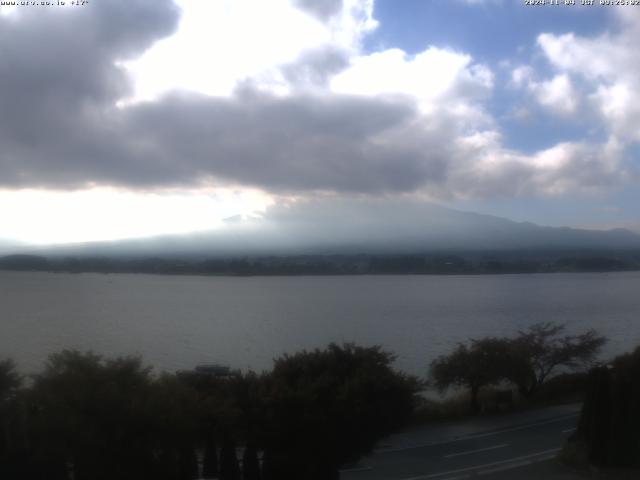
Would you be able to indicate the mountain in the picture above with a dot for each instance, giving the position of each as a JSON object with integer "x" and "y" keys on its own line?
{"x": 359, "y": 227}
{"x": 8, "y": 246}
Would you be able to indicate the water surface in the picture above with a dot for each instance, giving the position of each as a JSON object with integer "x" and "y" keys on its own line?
{"x": 177, "y": 322}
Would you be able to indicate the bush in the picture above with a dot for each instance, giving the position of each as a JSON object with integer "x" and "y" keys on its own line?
{"x": 329, "y": 407}
{"x": 563, "y": 388}
{"x": 610, "y": 418}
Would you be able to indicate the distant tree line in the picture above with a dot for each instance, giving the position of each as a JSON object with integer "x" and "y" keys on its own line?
{"x": 432, "y": 264}
{"x": 92, "y": 418}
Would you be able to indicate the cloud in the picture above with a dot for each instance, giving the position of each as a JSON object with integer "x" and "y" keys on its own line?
{"x": 314, "y": 68}
{"x": 60, "y": 77}
{"x": 430, "y": 76}
{"x": 325, "y": 117}
{"x": 43, "y": 56}
{"x": 348, "y": 143}
{"x": 323, "y": 9}
{"x": 565, "y": 167}
{"x": 222, "y": 43}
{"x": 294, "y": 143}
{"x": 607, "y": 66}
{"x": 521, "y": 76}
{"x": 557, "y": 95}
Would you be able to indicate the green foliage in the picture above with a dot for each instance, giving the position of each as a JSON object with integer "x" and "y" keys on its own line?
{"x": 609, "y": 423}
{"x": 568, "y": 387}
{"x": 172, "y": 412}
{"x": 250, "y": 463}
{"x": 112, "y": 418}
{"x": 627, "y": 366}
{"x": 527, "y": 360}
{"x": 210, "y": 460}
{"x": 93, "y": 412}
{"x": 537, "y": 352}
{"x": 229, "y": 467}
{"x": 474, "y": 366}
{"x": 331, "y": 406}
{"x": 10, "y": 380}
{"x": 221, "y": 401}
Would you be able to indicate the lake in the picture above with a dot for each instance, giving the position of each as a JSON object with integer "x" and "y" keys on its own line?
{"x": 176, "y": 322}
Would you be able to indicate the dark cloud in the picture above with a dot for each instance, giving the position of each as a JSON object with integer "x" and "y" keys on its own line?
{"x": 315, "y": 67}
{"x": 301, "y": 142}
{"x": 128, "y": 27}
{"x": 321, "y": 9}
{"x": 60, "y": 83}
{"x": 60, "y": 127}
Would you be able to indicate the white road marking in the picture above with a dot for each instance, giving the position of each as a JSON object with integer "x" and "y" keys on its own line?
{"x": 355, "y": 469}
{"x": 477, "y": 435}
{"x": 517, "y": 461}
{"x": 568, "y": 430}
{"x": 516, "y": 465}
{"x": 469, "y": 452}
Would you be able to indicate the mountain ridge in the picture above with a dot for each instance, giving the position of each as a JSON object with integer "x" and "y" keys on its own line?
{"x": 357, "y": 230}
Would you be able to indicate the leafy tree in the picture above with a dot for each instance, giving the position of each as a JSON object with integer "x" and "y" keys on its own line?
{"x": 219, "y": 409}
{"x": 229, "y": 467}
{"x": 527, "y": 360}
{"x": 475, "y": 366}
{"x": 172, "y": 411}
{"x": 542, "y": 349}
{"x": 10, "y": 380}
{"x": 110, "y": 417}
{"x": 328, "y": 407}
{"x": 91, "y": 409}
{"x": 210, "y": 460}
{"x": 609, "y": 425}
{"x": 627, "y": 365}
{"x": 187, "y": 463}
{"x": 250, "y": 463}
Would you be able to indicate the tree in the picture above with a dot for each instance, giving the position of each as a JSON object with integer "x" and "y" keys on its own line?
{"x": 474, "y": 366}
{"x": 328, "y": 407}
{"x": 229, "y": 467}
{"x": 110, "y": 417}
{"x": 91, "y": 410}
{"x": 210, "y": 460}
{"x": 10, "y": 380}
{"x": 171, "y": 417}
{"x": 250, "y": 463}
{"x": 527, "y": 360}
{"x": 541, "y": 349}
{"x": 609, "y": 425}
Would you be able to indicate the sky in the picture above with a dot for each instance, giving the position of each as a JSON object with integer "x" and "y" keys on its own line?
{"x": 135, "y": 118}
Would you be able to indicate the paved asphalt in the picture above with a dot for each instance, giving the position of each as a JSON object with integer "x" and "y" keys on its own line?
{"x": 485, "y": 449}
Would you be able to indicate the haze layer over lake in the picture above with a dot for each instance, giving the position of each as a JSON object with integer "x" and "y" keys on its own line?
{"x": 176, "y": 322}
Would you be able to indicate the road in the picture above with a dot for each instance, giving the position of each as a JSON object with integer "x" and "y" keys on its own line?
{"x": 483, "y": 448}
